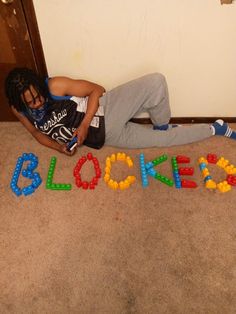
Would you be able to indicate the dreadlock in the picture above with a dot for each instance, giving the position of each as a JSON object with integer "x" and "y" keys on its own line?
{"x": 18, "y": 81}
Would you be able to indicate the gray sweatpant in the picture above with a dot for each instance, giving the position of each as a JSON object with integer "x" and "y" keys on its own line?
{"x": 146, "y": 94}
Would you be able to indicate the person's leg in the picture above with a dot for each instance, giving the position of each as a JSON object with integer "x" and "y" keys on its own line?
{"x": 148, "y": 93}
{"x": 137, "y": 136}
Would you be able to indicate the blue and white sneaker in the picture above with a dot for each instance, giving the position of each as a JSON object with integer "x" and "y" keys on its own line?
{"x": 219, "y": 127}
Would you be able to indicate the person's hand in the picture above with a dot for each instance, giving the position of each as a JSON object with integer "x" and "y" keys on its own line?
{"x": 64, "y": 150}
{"x": 81, "y": 133}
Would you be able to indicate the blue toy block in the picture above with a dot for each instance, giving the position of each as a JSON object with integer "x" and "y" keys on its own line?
{"x": 202, "y": 166}
{"x": 143, "y": 170}
{"x": 28, "y": 173}
{"x": 207, "y": 178}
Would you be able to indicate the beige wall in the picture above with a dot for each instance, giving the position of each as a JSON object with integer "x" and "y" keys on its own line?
{"x": 192, "y": 42}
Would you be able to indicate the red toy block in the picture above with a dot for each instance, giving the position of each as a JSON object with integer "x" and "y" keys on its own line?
{"x": 212, "y": 158}
{"x": 182, "y": 159}
{"x": 231, "y": 179}
{"x": 98, "y": 173}
{"x": 91, "y": 186}
{"x": 78, "y": 182}
{"x": 90, "y": 156}
{"x": 76, "y": 171}
{"x": 95, "y": 181}
{"x": 85, "y": 185}
{"x": 186, "y": 171}
{"x": 188, "y": 184}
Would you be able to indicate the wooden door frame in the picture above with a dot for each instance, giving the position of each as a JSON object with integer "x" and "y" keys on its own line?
{"x": 32, "y": 25}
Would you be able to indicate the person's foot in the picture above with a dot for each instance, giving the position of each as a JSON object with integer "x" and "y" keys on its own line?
{"x": 165, "y": 127}
{"x": 219, "y": 127}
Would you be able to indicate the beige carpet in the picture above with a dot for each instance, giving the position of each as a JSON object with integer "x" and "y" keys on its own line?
{"x": 154, "y": 250}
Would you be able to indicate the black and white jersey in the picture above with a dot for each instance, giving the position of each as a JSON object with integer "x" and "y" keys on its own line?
{"x": 63, "y": 115}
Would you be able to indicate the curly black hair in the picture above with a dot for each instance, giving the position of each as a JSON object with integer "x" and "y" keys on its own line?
{"x": 18, "y": 81}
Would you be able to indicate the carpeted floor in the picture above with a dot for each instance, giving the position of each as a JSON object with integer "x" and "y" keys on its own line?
{"x": 147, "y": 251}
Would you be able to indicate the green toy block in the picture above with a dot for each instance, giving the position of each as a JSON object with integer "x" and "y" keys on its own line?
{"x": 164, "y": 179}
{"x": 49, "y": 182}
{"x": 159, "y": 160}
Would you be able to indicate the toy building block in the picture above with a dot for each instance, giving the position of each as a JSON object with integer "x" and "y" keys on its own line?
{"x": 188, "y": 184}
{"x": 131, "y": 179}
{"x": 202, "y": 166}
{"x": 121, "y": 156}
{"x": 222, "y": 162}
{"x": 202, "y": 160}
{"x": 114, "y": 185}
{"x": 205, "y": 172}
{"x": 175, "y": 172}
{"x": 186, "y": 171}
{"x": 14, "y": 180}
{"x": 60, "y": 186}
{"x": 207, "y": 178}
{"x": 129, "y": 161}
{"x": 90, "y": 156}
{"x": 231, "y": 179}
{"x": 212, "y": 158}
{"x": 230, "y": 169}
{"x": 223, "y": 186}
{"x": 182, "y": 159}
{"x": 143, "y": 172}
{"x": 50, "y": 185}
{"x": 151, "y": 172}
{"x": 28, "y": 173}
{"x": 210, "y": 184}
{"x": 108, "y": 169}
{"x": 164, "y": 179}
{"x": 113, "y": 157}
{"x": 122, "y": 185}
{"x": 50, "y": 172}
{"x": 107, "y": 177}
{"x": 28, "y": 190}
{"x": 159, "y": 160}
{"x": 85, "y": 185}
{"x": 90, "y": 185}
{"x": 156, "y": 161}
{"x": 149, "y": 165}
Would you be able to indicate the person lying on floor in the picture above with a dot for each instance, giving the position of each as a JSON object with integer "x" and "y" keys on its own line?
{"x": 56, "y": 109}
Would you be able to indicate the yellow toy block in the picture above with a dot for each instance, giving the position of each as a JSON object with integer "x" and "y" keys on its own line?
{"x": 122, "y": 185}
{"x": 129, "y": 162}
{"x": 131, "y": 179}
{"x": 121, "y": 156}
{"x": 113, "y": 157}
{"x": 202, "y": 159}
{"x": 210, "y": 184}
{"x": 223, "y": 186}
{"x": 106, "y": 177}
{"x": 231, "y": 169}
{"x": 108, "y": 163}
{"x": 126, "y": 183}
{"x": 115, "y": 185}
{"x": 222, "y": 162}
{"x": 108, "y": 170}
{"x": 205, "y": 172}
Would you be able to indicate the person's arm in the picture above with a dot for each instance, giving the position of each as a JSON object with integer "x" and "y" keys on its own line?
{"x": 61, "y": 86}
{"x": 40, "y": 137}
